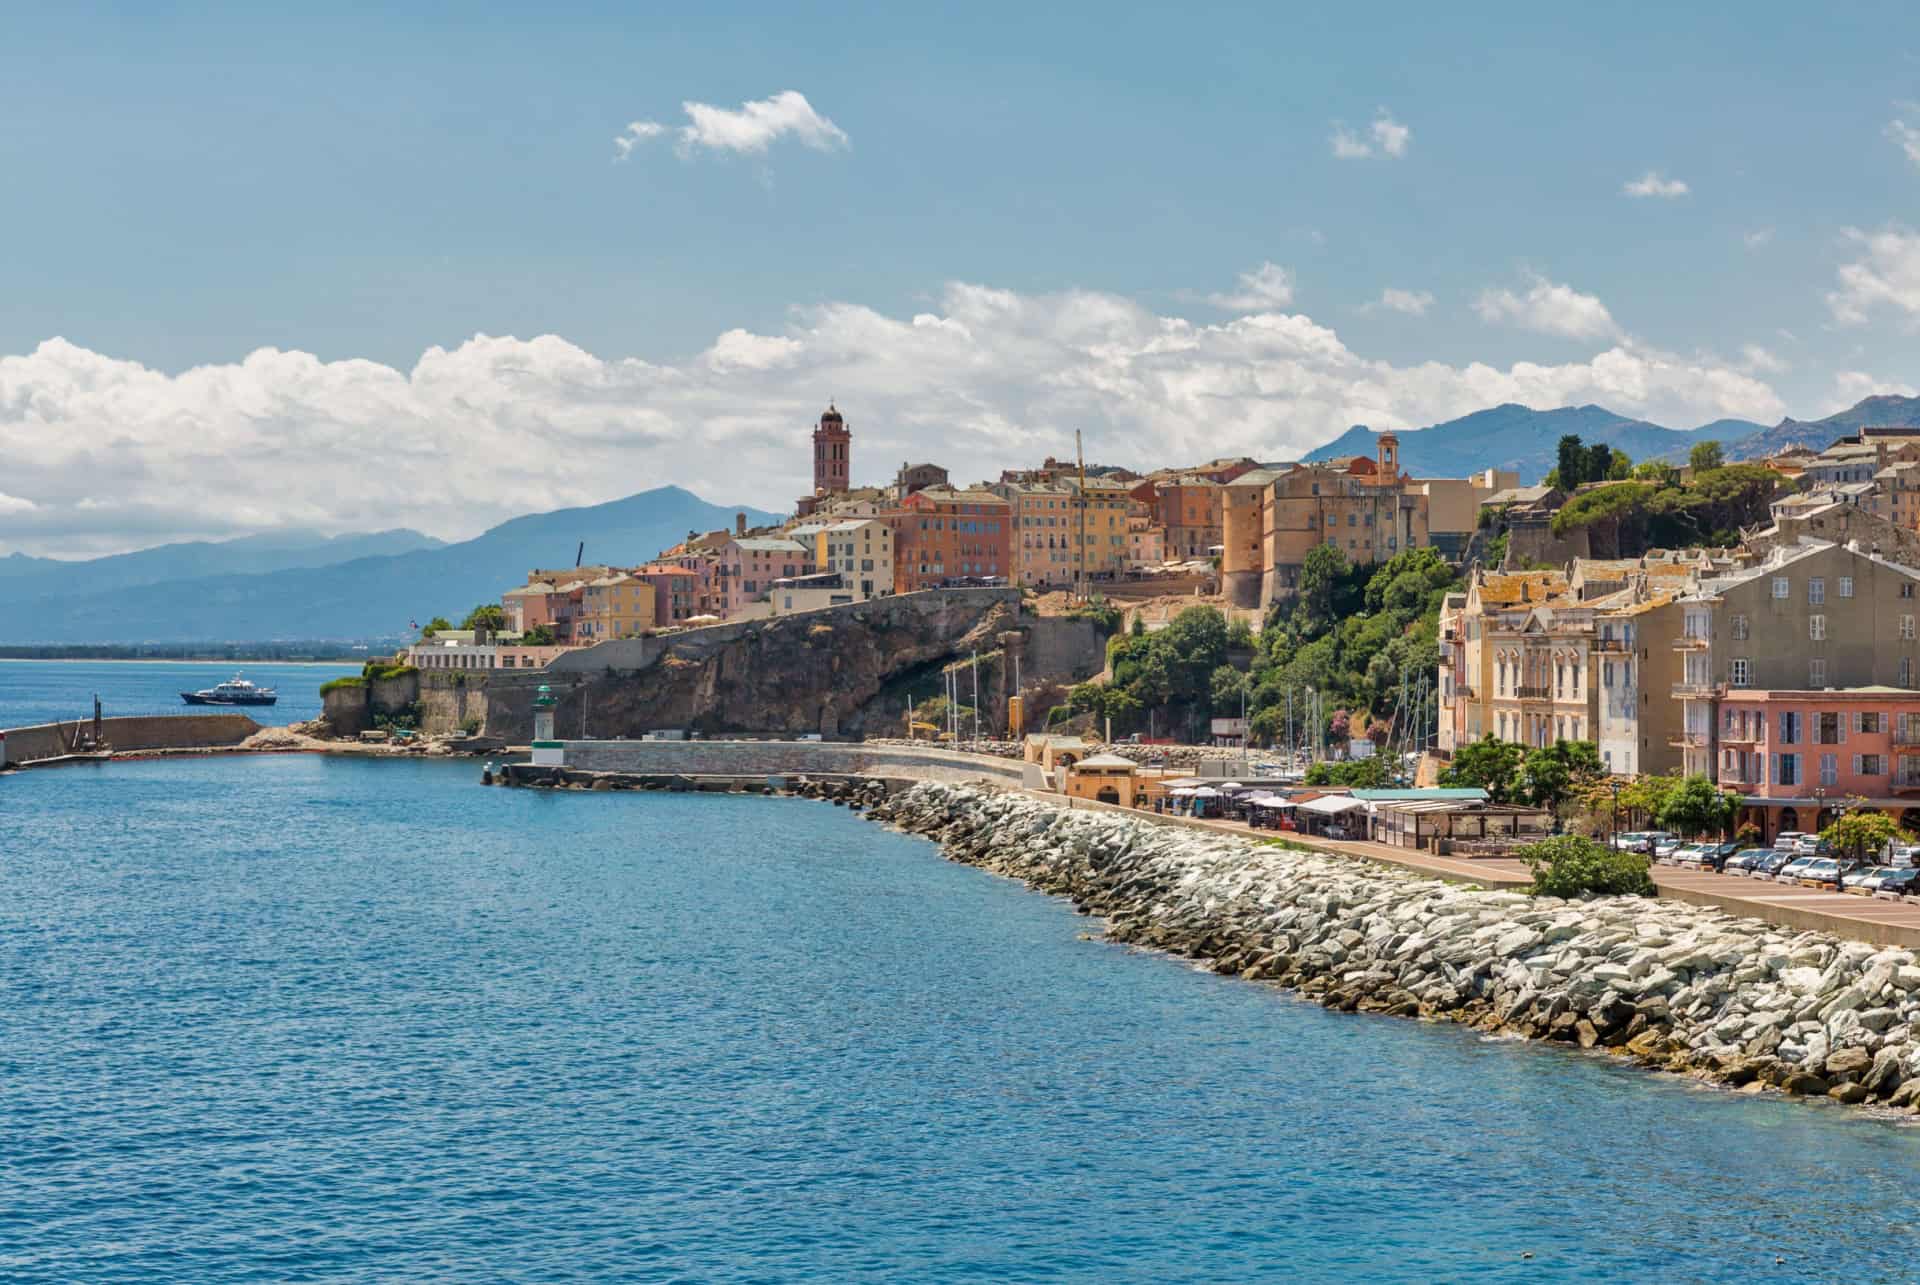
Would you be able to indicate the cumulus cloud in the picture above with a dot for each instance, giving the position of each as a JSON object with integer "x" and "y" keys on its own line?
{"x": 1549, "y": 309}
{"x": 1906, "y": 138}
{"x": 1886, "y": 275}
{"x": 115, "y": 455}
{"x": 748, "y": 130}
{"x": 15, "y": 504}
{"x": 1265, "y": 287}
{"x": 1850, "y": 386}
{"x": 1412, "y": 302}
{"x": 1655, "y": 184}
{"x": 1385, "y": 137}
{"x": 1760, "y": 361}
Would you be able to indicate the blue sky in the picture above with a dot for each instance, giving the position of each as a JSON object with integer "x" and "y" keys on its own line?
{"x": 190, "y": 184}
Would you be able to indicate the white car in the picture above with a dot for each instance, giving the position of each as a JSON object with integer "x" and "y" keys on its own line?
{"x": 1791, "y": 872}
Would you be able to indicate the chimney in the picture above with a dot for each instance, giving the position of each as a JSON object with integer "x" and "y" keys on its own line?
{"x": 739, "y": 524}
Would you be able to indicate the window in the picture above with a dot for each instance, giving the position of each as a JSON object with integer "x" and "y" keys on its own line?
{"x": 1906, "y": 671}
{"x": 1817, "y": 628}
{"x": 1738, "y": 671}
{"x": 1830, "y": 728}
{"x": 1780, "y": 587}
{"x": 1869, "y": 765}
{"x": 1817, "y": 672}
{"x": 1906, "y": 590}
{"x": 1740, "y": 628}
{"x": 1786, "y": 769}
{"x": 1846, "y": 586}
{"x": 1829, "y": 769}
{"x": 1816, "y": 590}
{"x": 1789, "y": 727}
{"x": 1906, "y": 627}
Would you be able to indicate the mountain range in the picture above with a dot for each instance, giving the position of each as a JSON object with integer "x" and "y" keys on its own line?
{"x": 1526, "y": 440}
{"x": 350, "y": 588}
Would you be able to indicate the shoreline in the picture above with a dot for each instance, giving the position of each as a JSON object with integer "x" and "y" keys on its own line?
{"x": 1668, "y": 986}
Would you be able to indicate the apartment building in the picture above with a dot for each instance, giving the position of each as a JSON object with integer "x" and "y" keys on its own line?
{"x": 1041, "y": 516}
{"x": 1806, "y": 618}
{"x": 1186, "y": 507}
{"x": 1635, "y": 667}
{"x": 943, "y": 535}
{"x": 1469, "y": 626}
{"x": 1794, "y": 755}
{"x": 620, "y": 605}
{"x": 860, "y": 551}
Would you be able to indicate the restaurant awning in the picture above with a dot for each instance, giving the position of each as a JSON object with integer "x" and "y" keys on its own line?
{"x": 1268, "y": 801}
{"x": 1332, "y": 804}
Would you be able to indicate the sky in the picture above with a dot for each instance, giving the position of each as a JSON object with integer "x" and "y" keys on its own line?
{"x": 355, "y": 267}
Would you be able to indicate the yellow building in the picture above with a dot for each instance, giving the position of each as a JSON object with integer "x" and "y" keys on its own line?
{"x": 860, "y": 552}
{"x": 1105, "y": 778}
{"x": 614, "y": 606}
{"x": 1366, "y": 508}
{"x": 1049, "y": 535}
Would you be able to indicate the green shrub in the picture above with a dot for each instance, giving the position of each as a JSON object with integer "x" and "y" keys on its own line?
{"x": 342, "y": 684}
{"x": 1572, "y": 866}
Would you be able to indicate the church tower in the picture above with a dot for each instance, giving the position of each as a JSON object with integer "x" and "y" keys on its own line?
{"x": 831, "y": 465}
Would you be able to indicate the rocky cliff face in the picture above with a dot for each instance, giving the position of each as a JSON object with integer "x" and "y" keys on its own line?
{"x": 846, "y": 671}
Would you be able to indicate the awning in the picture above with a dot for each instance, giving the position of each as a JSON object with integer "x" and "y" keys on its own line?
{"x": 1268, "y": 801}
{"x": 1205, "y": 792}
{"x": 1331, "y": 804}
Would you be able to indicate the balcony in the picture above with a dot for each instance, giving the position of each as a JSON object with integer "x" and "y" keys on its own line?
{"x": 1909, "y": 735}
{"x": 1689, "y": 690}
{"x": 1463, "y": 692}
{"x": 1905, "y": 784}
{"x": 1533, "y": 693}
{"x": 1619, "y": 645}
{"x": 1740, "y": 778}
{"x": 1738, "y": 737}
{"x": 1690, "y": 740}
{"x": 1692, "y": 642}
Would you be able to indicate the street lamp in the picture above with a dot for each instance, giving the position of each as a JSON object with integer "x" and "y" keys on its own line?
{"x": 1839, "y": 811}
{"x": 1613, "y": 835}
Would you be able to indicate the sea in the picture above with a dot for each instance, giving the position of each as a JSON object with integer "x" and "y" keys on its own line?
{"x": 53, "y": 691}
{"x": 306, "y": 1018}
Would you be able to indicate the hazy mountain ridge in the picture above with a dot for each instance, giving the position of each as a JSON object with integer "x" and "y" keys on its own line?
{"x": 366, "y": 597}
{"x": 23, "y": 577}
{"x": 1521, "y": 438}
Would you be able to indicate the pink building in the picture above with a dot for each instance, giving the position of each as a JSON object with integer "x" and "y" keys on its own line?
{"x": 1794, "y": 755}
{"x": 676, "y": 592}
{"x": 747, "y": 567}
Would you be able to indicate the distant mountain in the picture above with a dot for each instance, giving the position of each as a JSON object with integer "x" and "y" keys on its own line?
{"x": 1517, "y": 437}
{"x": 367, "y": 597}
{"x": 1524, "y": 439}
{"x": 1886, "y": 412}
{"x": 24, "y": 577}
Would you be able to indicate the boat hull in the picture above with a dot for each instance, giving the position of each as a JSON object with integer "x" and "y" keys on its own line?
{"x": 196, "y": 698}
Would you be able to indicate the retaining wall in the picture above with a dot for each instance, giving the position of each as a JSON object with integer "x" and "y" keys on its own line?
{"x": 134, "y": 732}
{"x": 779, "y": 758}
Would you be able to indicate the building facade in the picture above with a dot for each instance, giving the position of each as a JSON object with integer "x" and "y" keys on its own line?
{"x": 832, "y": 453}
{"x": 943, "y": 536}
{"x": 1364, "y": 507}
{"x": 1794, "y": 756}
{"x": 860, "y": 552}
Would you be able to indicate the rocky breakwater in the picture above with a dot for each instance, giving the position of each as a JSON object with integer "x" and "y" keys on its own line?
{"x": 1675, "y": 987}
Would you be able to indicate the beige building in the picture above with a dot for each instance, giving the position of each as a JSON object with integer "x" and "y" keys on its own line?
{"x": 1468, "y": 625}
{"x": 1243, "y": 529}
{"x": 1146, "y": 542}
{"x": 1453, "y": 506}
{"x": 1364, "y": 507}
{"x": 860, "y": 552}
{"x": 614, "y": 606}
{"x": 1055, "y": 521}
{"x": 1635, "y": 666}
{"x": 1807, "y": 618}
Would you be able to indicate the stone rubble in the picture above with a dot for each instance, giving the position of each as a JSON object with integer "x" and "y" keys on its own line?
{"x": 1673, "y": 986}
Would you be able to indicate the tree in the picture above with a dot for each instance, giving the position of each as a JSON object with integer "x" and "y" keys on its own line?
{"x": 1320, "y": 574}
{"x": 1706, "y": 455}
{"x": 1697, "y": 806}
{"x": 1861, "y": 831}
{"x": 1571, "y": 462}
{"x": 1599, "y": 462}
{"x": 1359, "y": 774}
{"x": 439, "y": 624}
{"x": 1492, "y": 765}
{"x": 538, "y": 636}
{"x": 1228, "y": 685}
{"x": 1572, "y": 866}
{"x": 1551, "y": 775}
{"x": 1646, "y": 797}
{"x": 1620, "y": 466}
{"x": 1339, "y": 730}
{"x": 488, "y": 615}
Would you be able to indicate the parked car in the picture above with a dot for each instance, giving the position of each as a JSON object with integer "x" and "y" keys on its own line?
{"x": 1788, "y": 840}
{"x": 1686, "y": 854}
{"x": 1865, "y": 879}
{"x": 1903, "y": 882}
{"x": 1770, "y": 866}
{"x": 1664, "y": 846}
{"x": 1790, "y": 872}
{"x": 1820, "y": 872}
{"x": 1743, "y": 862}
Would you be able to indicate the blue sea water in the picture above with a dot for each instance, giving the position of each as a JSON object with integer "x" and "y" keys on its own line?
{"x": 302, "y": 1018}
{"x": 48, "y": 691}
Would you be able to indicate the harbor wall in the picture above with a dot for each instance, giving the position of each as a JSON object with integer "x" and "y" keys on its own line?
{"x": 132, "y": 732}
{"x": 783, "y": 758}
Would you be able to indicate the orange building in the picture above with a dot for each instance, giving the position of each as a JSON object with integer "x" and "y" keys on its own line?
{"x": 1187, "y": 507}
{"x": 945, "y": 535}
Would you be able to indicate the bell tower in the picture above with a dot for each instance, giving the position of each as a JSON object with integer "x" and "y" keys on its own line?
{"x": 832, "y": 465}
{"x": 1388, "y": 450}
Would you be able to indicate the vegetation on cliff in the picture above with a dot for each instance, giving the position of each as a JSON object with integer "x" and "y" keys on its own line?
{"x": 1629, "y": 517}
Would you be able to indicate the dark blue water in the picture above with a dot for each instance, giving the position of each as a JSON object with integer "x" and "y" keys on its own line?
{"x": 48, "y": 691}
{"x": 296, "y": 1018}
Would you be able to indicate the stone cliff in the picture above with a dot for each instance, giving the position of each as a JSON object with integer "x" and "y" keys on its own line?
{"x": 840, "y": 672}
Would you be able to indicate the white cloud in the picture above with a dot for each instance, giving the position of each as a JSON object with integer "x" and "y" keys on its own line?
{"x": 1760, "y": 361}
{"x": 1549, "y": 309}
{"x": 1386, "y": 136}
{"x": 117, "y": 455}
{"x": 748, "y": 131}
{"x": 1266, "y": 288}
{"x": 1412, "y": 302}
{"x": 1850, "y": 386}
{"x": 1906, "y": 138}
{"x": 15, "y": 504}
{"x": 1654, "y": 183}
{"x": 1758, "y": 239}
{"x": 1886, "y": 275}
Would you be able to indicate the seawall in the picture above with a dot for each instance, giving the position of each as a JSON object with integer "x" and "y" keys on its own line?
{"x": 1673, "y": 986}
{"x": 789, "y": 758}
{"x": 133, "y": 732}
